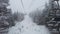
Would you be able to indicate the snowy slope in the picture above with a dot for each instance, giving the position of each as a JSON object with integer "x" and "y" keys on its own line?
{"x": 28, "y": 27}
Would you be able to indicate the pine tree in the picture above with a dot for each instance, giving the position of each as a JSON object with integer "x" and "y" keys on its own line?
{"x": 6, "y": 19}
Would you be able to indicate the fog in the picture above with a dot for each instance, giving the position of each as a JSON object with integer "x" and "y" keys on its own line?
{"x": 28, "y": 5}
{"x": 27, "y": 26}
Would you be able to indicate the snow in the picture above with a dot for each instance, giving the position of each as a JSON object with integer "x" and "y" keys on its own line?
{"x": 27, "y": 26}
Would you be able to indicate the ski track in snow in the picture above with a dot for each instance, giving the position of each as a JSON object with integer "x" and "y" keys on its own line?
{"x": 28, "y": 27}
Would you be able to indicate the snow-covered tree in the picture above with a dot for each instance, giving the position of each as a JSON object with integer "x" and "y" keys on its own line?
{"x": 18, "y": 16}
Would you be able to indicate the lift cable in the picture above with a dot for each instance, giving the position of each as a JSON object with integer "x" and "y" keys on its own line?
{"x": 22, "y": 5}
{"x": 31, "y": 3}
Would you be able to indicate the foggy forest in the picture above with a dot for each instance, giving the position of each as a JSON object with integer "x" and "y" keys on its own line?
{"x": 29, "y": 17}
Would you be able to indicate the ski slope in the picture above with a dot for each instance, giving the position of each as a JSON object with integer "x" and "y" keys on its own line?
{"x": 27, "y": 26}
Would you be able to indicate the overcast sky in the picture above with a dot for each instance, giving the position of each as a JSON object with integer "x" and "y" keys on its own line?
{"x": 29, "y": 5}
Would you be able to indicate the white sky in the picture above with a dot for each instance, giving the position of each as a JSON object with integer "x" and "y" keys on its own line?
{"x": 29, "y": 5}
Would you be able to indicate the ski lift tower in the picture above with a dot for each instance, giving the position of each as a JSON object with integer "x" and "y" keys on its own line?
{"x": 54, "y": 17}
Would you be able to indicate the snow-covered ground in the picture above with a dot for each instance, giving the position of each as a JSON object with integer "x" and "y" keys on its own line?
{"x": 27, "y": 26}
